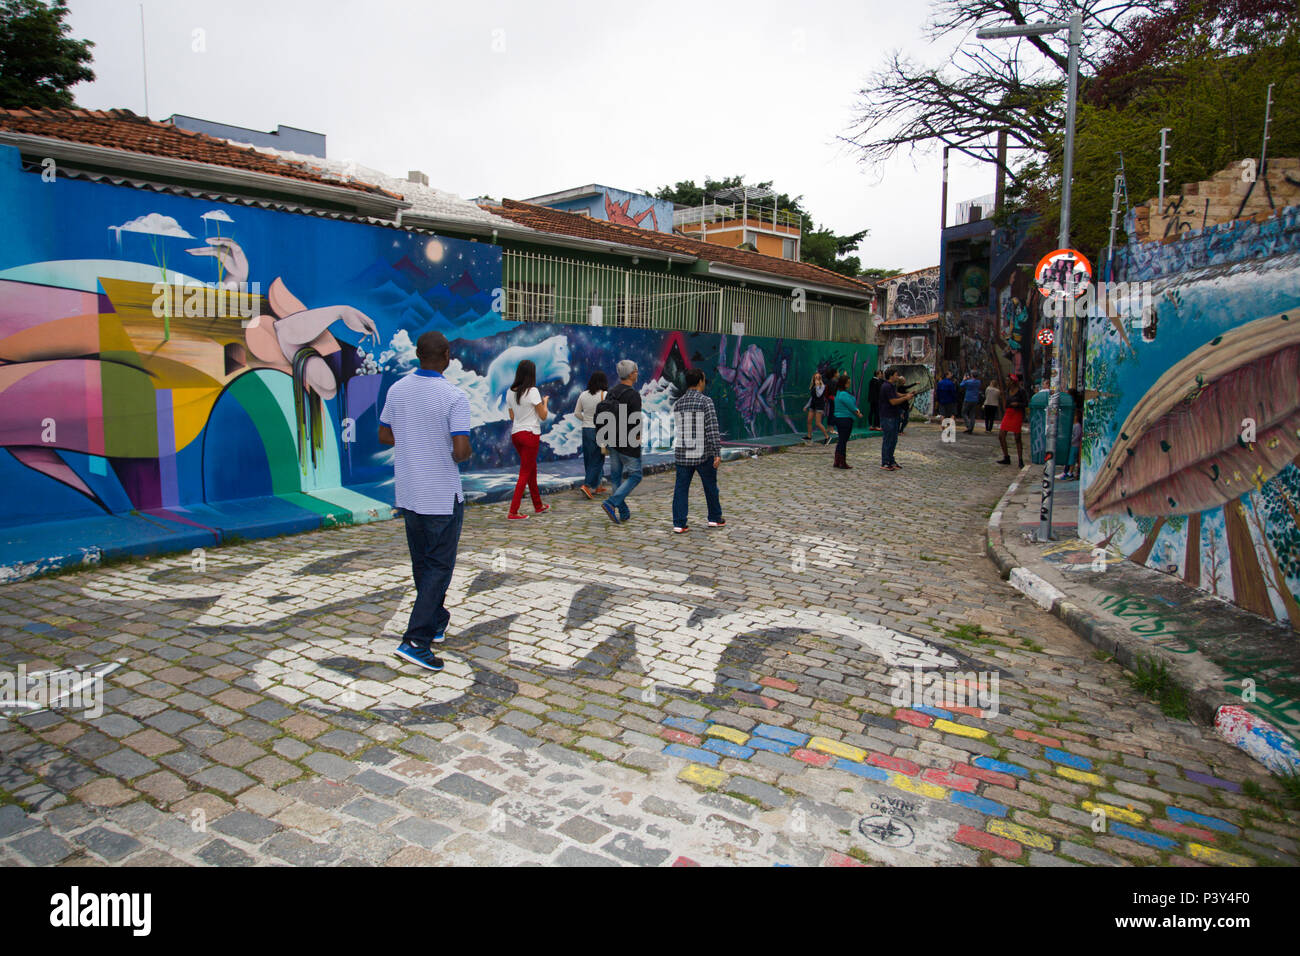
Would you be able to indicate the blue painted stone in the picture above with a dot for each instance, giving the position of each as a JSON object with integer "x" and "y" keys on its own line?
{"x": 692, "y": 753}
{"x": 978, "y": 804}
{"x": 780, "y": 733}
{"x": 861, "y": 769}
{"x": 1200, "y": 819}
{"x": 1141, "y": 836}
{"x": 1069, "y": 759}
{"x": 745, "y": 685}
{"x": 688, "y": 724}
{"x": 988, "y": 763}
{"x": 772, "y": 746}
{"x": 935, "y": 712}
{"x": 728, "y": 749}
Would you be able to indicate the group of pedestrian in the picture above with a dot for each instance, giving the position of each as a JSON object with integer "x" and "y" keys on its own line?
{"x": 427, "y": 421}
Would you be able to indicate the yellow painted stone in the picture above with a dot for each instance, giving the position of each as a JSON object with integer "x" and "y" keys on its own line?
{"x": 1114, "y": 813}
{"x": 727, "y": 733}
{"x": 921, "y": 787}
{"x": 838, "y": 749}
{"x": 948, "y": 727}
{"x": 1199, "y": 851}
{"x": 1014, "y": 831}
{"x": 702, "y": 775}
{"x": 1069, "y": 773}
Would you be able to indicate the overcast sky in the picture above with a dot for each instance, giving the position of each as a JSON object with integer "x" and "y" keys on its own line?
{"x": 516, "y": 99}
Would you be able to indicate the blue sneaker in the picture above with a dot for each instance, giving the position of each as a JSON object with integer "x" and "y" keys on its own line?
{"x": 419, "y": 656}
{"x": 438, "y": 638}
{"x": 611, "y": 511}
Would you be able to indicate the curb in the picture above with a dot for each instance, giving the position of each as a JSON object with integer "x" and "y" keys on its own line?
{"x": 1206, "y": 706}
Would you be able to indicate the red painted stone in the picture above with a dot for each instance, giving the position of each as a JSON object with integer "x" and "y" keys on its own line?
{"x": 950, "y": 780}
{"x": 777, "y": 683}
{"x": 684, "y": 861}
{"x": 679, "y": 736}
{"x": 841, "y": 859}
{"x": 1182, "y": 829}
{"x": 893, "y": 763}
{"x": 968, "y": 711}
{"x": 812, "y": 757}
{"x": 768, "y": 702}
{"x": 913, "y": 717}
{"x": 987, "y": 841}
{"x": 1036, "y": 738}
{"x": 988, "y": 776}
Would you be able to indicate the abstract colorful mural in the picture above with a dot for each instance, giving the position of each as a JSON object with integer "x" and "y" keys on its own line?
{"x": 206, "y": 369}
{"x": 1191, "y": 456}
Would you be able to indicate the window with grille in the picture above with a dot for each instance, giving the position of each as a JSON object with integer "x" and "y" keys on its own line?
{"x": 896, "y": 347}
{"x": 917, "y": 346}
{"x": 530, "y": 302}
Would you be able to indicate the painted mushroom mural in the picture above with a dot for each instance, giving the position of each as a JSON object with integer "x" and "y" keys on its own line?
{"x": 1185, "y": 449}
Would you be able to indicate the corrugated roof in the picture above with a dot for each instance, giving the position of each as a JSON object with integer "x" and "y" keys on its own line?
{"x": 122, "y": 129}
{"x": 545, "y": 219}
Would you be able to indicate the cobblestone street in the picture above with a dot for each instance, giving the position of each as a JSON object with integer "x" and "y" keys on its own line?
{"x": 615, "y": 695}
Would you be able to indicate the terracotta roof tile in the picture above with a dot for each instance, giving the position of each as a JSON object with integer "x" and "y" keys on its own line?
{"x": 545, "y": 219}
{"x": 911, "y": 319}
{"x": 122, "y": 129}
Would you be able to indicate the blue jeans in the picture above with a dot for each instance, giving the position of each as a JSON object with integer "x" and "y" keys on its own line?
{"x": 889, "y": 439}
{"x": 592, "y": 460}
{"x": 432, "y": 540}
{"x": 623, "y": 484}
{"x": 682, "y": 491}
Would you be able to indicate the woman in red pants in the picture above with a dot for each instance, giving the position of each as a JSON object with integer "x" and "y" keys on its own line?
{"x": 527, "y": 411}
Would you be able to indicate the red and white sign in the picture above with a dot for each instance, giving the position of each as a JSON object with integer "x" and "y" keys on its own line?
{"x": 1045, "y": 336}
{"x": 1062, "y": 271}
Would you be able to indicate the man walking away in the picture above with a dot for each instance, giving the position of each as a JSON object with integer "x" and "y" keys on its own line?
{"x": 945, "y": 396}
{"x": 971, "y": 388}
{"x": 893, "y": 402}
{"x": 873, "y": 400}
{"x": 618, "y": 427}
{"x": 698, "y": 448}
{"x": 992, "y": 405}
{"x": 426, "y": 419}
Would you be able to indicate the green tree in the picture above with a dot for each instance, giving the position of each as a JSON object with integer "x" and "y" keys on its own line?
{"x": 39, "y": 63}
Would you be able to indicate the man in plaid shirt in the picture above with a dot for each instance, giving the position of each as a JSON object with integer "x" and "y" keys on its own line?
{"x": 698, "y": 448}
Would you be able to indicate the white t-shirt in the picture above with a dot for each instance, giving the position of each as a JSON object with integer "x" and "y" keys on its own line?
{"x": 526, "y": 419}
{"x": 585, "y": 411}
{"x": 992, "y": 396}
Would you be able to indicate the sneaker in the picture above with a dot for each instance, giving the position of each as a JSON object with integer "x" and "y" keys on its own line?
{"x": 588, "y": 492}
{"x": 682, "y": 530}
{"x": 542, "y": 510}
{"x": 611, "y": 511}
{"x": 720, "y": 523}
{"x": 603, "y": 490}
{"x": 516, "y": 517}
{"x": 1004, "y": 461}
{"x": 438, "y": 638}
{"x": 419, "y": 656}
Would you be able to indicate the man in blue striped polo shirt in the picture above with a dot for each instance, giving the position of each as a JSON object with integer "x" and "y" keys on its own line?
{"x": 426, "y": 418}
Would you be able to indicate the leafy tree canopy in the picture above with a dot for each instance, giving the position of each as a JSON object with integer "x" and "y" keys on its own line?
{"x": 39, "y": 63}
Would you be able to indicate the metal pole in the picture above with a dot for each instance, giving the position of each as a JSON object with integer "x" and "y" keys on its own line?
{"x": 1165, "y": 131}
{"x": 1114, "y": 219}
{"x": 943, "y": 199}
{"x": 1054, "y": 398}
{"x": 144, "y": 64}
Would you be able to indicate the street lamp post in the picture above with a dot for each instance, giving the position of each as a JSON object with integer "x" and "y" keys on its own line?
{"x": 1075, "y": 27}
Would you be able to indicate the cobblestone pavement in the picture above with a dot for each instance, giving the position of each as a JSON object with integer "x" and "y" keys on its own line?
{"x": 615, "y": 695}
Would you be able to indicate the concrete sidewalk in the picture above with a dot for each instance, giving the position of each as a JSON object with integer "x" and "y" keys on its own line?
{"x": 1215, "y": 651}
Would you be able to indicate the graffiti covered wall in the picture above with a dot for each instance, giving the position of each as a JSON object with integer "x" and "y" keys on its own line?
{"x": 623, "y": 208}
{"x": 912, "y": 294}
{"x": 1191, "y": 456}
{"x": 203, "y": 368}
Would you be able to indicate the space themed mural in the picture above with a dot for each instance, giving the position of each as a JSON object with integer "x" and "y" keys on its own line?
{"x": 199, "y": 369}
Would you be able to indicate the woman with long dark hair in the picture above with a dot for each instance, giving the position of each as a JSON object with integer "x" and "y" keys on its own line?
{"x": 846, "y": 407}
{"x": 585, "y": 411}
{"x": 527, "y": 411}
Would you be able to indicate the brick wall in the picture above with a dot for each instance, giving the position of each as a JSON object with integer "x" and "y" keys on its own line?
{"x": 1219, "y": 199}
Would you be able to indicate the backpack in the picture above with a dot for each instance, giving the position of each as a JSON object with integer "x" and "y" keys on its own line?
{"x": 606, "y": 416}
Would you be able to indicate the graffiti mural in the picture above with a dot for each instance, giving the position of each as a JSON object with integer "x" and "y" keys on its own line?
{"x": 207, "y": 369}
{"x": 1191, "y": 460}
{"x": 911, "y": 294}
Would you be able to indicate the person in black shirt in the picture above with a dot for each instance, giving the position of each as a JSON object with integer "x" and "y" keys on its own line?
{"x": 623, "y": 438}
{"x": 873, "y": 399}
